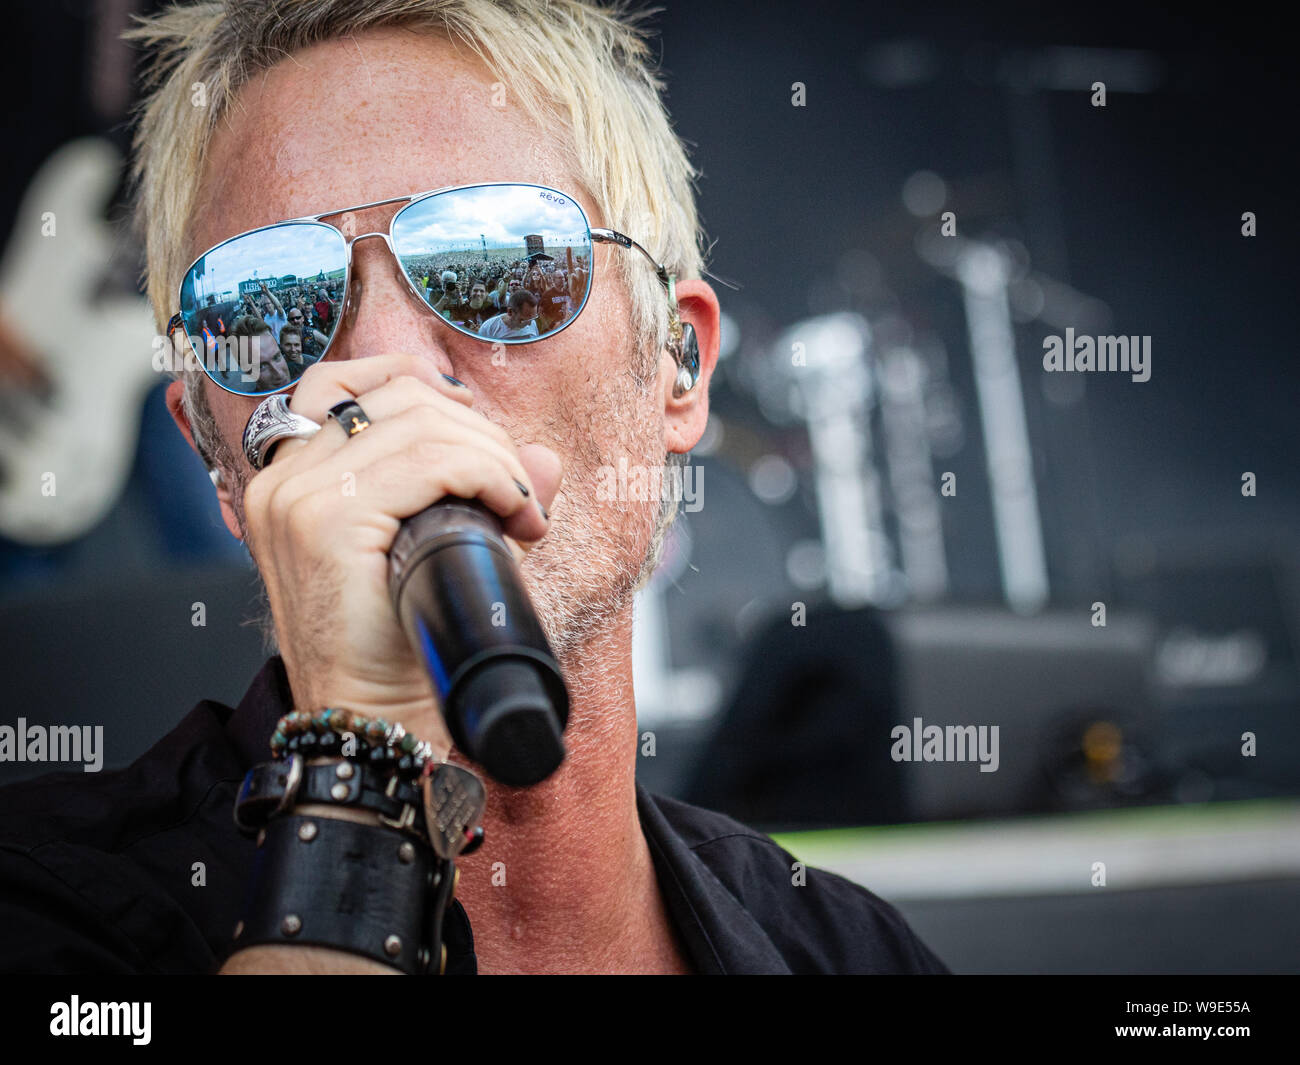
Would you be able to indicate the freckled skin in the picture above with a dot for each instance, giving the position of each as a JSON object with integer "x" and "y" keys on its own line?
{"x": 581, "y": 893}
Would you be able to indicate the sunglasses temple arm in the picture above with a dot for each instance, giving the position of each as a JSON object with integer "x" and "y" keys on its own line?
{"x": 610, "y": 236}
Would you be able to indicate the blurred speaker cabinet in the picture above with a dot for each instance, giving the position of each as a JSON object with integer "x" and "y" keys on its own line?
{"x": 1043, "y": 680}
{"x": 806, "y": 738}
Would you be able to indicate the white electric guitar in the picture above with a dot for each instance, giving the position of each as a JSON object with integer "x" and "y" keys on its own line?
{"x": 67, "y": 446}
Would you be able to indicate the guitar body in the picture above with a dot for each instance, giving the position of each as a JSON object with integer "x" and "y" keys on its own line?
{"x": 67, "y": 451}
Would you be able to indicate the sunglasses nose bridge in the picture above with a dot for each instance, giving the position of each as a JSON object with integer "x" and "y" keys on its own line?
{"x": 393, "y": 258}
{"x": 386, "y": 306}
{"x": 388, "y": 241}
{"x": 377, "y": 233}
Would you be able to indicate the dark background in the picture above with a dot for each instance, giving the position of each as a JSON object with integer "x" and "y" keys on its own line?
{"x": 1137, "y": 204}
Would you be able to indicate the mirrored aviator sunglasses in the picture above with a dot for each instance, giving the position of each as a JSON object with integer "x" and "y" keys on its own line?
{"x": 503, "y": 263}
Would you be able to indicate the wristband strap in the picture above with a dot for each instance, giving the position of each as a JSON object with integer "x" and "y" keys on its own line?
{"x": 277, "y": 787}
{"x": 320, "y": 881}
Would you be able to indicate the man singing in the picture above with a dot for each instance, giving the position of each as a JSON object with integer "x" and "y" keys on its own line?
{"x": 583, "y": 872}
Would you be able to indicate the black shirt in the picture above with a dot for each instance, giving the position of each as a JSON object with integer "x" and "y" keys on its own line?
{"x": 100, "y": 873}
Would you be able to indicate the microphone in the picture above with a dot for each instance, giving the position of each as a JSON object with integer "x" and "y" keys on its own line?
{"x": 458, "y": 594}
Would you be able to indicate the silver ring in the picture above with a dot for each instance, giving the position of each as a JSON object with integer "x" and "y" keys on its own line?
{"x": 271, "y": 422}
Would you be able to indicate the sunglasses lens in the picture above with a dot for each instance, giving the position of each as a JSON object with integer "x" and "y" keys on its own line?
{"x": 505, "y": 263}
{"x": 261, "y": 308}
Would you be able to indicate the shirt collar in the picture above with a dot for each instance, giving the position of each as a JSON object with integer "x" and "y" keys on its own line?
{"x": 267, "y": 700}
{"x": 720, "y": 935}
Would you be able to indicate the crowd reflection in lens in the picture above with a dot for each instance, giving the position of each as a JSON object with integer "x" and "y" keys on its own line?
{"x": 264, "y": 341}
{"x": 500, "y": 298}
{"x": 505, "y": 262}
{"x": 503, "y": 299}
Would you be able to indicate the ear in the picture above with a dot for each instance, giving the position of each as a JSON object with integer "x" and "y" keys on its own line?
{"x": 175, "y": 406}
{"x": 686, "y": 415}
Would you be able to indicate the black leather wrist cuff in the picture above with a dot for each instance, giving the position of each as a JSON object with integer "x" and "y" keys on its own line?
{"x": 320, "y": 881}
{"x": 276, "y": 787}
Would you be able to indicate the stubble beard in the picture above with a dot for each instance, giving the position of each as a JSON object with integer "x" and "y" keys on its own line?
{"x": 597, "y": 552}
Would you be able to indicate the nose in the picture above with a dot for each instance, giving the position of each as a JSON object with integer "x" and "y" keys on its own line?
{"x": 383, "y": 314}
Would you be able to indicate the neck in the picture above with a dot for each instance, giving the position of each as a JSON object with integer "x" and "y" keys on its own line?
{"x": 564, "y": 880}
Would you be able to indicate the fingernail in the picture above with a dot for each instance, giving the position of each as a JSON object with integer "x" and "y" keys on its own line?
{"x": 458, "y": 384}
{"x": 522, "y": 488}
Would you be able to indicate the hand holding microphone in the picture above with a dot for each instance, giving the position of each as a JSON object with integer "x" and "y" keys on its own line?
{"x": 322, "y": 519}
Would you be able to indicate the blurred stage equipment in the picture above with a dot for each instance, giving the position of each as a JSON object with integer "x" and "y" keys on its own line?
{"x": 1045, "y": 682}
{"x": 141, "y": 664}
{"x": 1225, "y": 660}
{"x": 825, "y": 367}
{"x": 68, "y": 439}
{"x": 984, "y": 275}
{"x": 805, "y": 736}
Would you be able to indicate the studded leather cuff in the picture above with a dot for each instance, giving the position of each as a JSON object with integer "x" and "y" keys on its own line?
{"x": 368, "y": 890}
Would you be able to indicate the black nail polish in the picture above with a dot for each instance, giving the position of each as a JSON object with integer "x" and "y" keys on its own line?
{"x": 522, "y": 487}
{"x": 458, "y": 384}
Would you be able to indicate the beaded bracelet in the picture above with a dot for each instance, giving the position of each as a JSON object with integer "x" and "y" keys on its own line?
{"x": 321, "y": 732}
